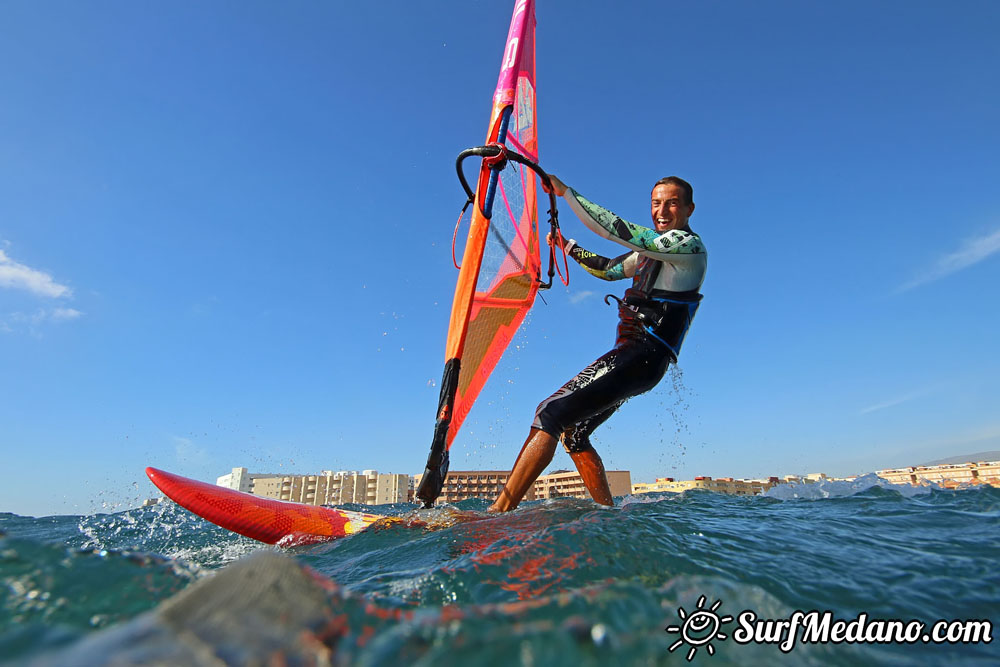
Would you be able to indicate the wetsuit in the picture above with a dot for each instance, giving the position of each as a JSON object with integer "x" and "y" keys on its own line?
{"x": 667, "y": 269}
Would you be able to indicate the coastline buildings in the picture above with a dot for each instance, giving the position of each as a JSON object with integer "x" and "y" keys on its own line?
{"x": 463, "y": 484}
{"x": 241, "y": 480}
{"x": 370, "y": 487}
{"x": 373, "y": 488}
{"x": 327, "y": 488}
{"x": 948, "y": 475}
{"x": 487, "y": 484}
{"x": 736, "y": 487}
{"x": 569, "y": 484}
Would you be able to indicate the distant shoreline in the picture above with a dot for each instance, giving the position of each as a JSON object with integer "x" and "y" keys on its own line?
{"x": 964, "y": 458}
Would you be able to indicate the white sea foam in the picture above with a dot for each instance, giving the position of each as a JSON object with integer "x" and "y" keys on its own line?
{"x": 839, "y": 489}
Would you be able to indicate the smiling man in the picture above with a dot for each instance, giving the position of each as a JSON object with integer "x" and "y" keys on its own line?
{"x": 667, "y": 266}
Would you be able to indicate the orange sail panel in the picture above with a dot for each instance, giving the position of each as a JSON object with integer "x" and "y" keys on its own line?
{"x": 501, "y": 256}
{"x": 501, "y": 265}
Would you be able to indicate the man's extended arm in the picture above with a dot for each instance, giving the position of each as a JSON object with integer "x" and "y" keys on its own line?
{"x": 616, "y": 268}
{"x": 676, "y": 246}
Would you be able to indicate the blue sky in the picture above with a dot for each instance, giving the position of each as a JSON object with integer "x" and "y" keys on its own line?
{"x": 225, "y": 233}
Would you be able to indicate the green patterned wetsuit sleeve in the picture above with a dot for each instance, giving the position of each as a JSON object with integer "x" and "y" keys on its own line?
{"x": 616, "y": 268}
{"x": 643, "y": 240}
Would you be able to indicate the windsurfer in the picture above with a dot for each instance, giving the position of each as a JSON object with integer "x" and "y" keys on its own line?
{"x": 667, "y": 265}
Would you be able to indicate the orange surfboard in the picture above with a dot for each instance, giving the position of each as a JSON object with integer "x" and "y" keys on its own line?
{"x": 263, "y": 519}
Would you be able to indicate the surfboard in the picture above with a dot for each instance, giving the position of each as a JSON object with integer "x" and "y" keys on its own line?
{"x": 262, "y": 519}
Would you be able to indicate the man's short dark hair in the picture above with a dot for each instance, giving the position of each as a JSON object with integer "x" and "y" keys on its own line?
{"x": 679, "y": 182}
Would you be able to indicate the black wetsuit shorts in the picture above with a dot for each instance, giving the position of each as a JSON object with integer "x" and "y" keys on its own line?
{"x": 634, "y": 366}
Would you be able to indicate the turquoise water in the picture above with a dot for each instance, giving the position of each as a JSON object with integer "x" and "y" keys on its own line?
{"x": 557, "y": 582}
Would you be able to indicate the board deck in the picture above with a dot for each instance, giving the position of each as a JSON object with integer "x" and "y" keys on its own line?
{"x": 263, "y": 519}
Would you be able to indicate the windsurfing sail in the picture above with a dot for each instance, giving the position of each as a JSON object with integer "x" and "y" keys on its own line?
{"x": 501, "y": 266}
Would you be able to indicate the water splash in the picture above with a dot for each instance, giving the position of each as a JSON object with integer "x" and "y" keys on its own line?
{"x": 827, "y": 488}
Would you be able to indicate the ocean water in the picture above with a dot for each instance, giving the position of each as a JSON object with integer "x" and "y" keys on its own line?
{"x": 560, "y": 582}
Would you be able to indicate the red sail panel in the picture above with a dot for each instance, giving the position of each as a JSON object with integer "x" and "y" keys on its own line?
{"x": 501, "y": 265}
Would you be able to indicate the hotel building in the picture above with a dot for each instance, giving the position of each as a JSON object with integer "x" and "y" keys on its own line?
{"x": 567, "y": 484}
{"x": 487, "y": 484}
{"x": 328, "y": 488}
{"x": 947, "y": 475}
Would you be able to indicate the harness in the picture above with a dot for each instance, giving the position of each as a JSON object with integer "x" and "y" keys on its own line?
{"x": 665, "y": 319}
{"x": 665, "y": 316}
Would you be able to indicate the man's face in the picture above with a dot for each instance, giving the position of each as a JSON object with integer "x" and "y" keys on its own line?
{"x": 668, "y": 208}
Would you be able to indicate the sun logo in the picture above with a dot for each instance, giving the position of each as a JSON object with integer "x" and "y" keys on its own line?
{"x": 699, "y": 628}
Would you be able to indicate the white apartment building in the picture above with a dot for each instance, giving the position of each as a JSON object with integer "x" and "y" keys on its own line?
{"x": 327, "y": 488}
